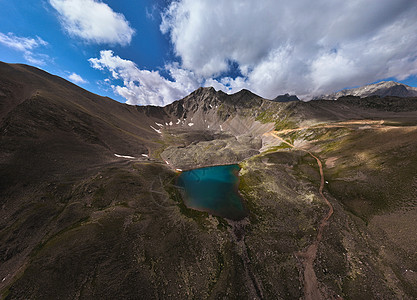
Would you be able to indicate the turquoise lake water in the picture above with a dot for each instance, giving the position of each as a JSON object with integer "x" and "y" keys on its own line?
{"x": 214, "y": 190}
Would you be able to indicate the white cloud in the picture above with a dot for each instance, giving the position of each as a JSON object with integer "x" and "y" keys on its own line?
{"x": 143, "y": 87}
{"x": 36, "y": 59}
{"x": 25, "y": 45}
{"x": 302, "y": 46}
{"x": 93, "y": 21}
{"x": 21, "y": 43}
{"x": 74, "y": 77}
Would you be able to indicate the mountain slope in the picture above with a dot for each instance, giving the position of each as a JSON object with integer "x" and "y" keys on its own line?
{"x": 382, "y": 89}
{"x": 76, "y": 221}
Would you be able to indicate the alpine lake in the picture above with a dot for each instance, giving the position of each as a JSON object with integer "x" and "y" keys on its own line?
{"x": 213, "y": 190}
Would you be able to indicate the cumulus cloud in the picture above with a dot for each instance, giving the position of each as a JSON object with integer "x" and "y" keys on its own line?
{"x": 143, "y": 87}
{"x": 301, "y": 46}
{"x": 74, "y": 77}
{"x": 93, "y": 21}
{"x": 27, "y": 45}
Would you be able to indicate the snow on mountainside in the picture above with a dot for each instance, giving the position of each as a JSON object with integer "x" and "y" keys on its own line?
{"x": 383, "y": 88}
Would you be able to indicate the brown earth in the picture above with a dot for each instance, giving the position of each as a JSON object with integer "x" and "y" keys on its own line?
{"x": 76, "y": 221}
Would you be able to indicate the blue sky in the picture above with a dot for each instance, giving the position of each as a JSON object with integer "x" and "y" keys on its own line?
{"x": 154, "y": 52}
{"x": 66, "y": 55}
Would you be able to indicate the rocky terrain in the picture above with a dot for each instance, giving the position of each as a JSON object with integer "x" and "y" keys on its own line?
{"x": 285, "y": 98}
{"x": 382, "y": 89}
{"x": 89, "y": 207}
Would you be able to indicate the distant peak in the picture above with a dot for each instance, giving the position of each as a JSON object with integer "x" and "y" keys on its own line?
{"x": 285, "y": 98}
{"x": 382, "y": 89}
{"x": 388, "y": 83}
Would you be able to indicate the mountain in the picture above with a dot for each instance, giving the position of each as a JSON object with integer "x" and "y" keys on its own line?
{"x": 90, "y": 208}
{"x": 382, "y": 89}
{"x": 286, "y": 98}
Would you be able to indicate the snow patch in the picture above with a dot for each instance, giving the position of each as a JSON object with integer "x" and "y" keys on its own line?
{"x": 145, "y": 155}
{"x": 170, "y": 123}
{"x": 157, "y": 130}
{"x": 160, "y": 125}
{"x": 221, "y": 128}
{"x": 179, "y": 170}
{"x": 178, "y": 121}
{"x": 124, "y": 156}
{"x": 190, "y": 124}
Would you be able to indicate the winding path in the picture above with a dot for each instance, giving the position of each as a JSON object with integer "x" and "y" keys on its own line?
{"x": 311, "y": 287}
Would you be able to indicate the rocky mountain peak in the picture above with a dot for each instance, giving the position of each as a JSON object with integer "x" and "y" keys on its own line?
{"x": 382, "y": 89}
{"x": 244, "y": 92}
{"x": 201, "y": 94}
{"x": 204, "y": 90}
{"x": 387, "y": 83}
{"x": 285, "y": 98}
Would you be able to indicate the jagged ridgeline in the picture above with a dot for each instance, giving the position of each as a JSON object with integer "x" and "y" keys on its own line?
{"x": 382, "y": 89}
{"x": 90, "y": 207}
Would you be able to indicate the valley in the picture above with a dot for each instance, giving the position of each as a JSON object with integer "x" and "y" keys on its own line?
{"x": 330, "y": 189}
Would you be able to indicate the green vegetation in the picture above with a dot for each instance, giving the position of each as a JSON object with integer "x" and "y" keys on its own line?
{"x": 269, "y": 116}
{"x": 273, "y": 149}
{"x": 249, "y": 187}
{"x": 156, "y": 154}
{"x": 285, "y": 123}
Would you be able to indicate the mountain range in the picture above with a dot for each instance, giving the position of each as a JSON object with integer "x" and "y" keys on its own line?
{"x": 90, "y": 208}
{"x": 382, "y": 89}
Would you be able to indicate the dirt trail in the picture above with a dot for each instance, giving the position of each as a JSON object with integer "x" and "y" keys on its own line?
{"x": 308, "y": 256}
{"x": 311, "y": 287}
